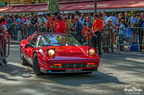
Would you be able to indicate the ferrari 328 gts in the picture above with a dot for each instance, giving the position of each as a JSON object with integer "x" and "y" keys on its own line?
{"x": 57, "y": 53}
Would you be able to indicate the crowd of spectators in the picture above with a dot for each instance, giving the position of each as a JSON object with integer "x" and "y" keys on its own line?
{"x": 86, "y": 28}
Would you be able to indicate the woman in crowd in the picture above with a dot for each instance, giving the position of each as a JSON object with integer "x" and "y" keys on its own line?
{"x": 107, "y": 35}
{"x": 67, "y": 24}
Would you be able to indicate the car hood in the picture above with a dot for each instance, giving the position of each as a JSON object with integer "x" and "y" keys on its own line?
{"x": 67, "y": 53}
{"x": 69, "y": 50}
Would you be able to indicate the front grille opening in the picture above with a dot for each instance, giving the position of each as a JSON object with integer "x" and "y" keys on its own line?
{"x": 76, "y": 65}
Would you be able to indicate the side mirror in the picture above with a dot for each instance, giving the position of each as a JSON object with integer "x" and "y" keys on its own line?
{"x": 29, "y": 45}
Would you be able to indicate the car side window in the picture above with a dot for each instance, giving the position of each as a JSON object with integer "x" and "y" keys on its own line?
{"x": 34, "y": 40}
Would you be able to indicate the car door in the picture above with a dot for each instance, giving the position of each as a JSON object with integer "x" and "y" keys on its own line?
{"x": 29, "y": 50}
{"x": 23, "y": 45}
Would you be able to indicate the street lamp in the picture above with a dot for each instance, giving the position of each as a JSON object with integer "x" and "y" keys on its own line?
{"x": 95, "y": 6}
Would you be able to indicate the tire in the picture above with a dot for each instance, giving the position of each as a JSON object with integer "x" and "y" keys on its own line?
{"x": 22, "y": 59}
{"x": 35, "y": 65}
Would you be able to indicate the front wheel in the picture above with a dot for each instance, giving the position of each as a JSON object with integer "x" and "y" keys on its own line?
{"x": 35, "y": 65}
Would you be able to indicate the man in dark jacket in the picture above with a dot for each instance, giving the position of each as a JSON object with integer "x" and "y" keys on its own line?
{"x": 141, "y": 31}
{"x": 78, "y": 29}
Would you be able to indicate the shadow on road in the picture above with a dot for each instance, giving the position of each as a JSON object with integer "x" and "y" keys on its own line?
{"x": 131, "y": 61}
{"x": 79, "y": 79}
{"x": 13, "y": 71}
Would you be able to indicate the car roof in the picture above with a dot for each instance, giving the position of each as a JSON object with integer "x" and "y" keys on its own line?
{"x": 46, "y": 33}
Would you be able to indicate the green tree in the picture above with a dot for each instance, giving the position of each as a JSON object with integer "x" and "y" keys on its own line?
{"x": 53, "y": 5}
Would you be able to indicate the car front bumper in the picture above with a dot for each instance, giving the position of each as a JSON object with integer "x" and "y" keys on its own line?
{"x": 71, "y": 66}
{"x": 70, "y": 70}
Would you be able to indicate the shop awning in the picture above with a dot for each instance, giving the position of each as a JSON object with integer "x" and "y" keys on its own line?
{"x": 17, "y": 9}
{"x": 4, "y": 8}
{"x": 108, "y": 5}
{"x": 38, "y": 8}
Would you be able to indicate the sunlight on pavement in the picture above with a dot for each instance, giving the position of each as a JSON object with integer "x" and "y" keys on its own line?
{"x": 135, "y": 60}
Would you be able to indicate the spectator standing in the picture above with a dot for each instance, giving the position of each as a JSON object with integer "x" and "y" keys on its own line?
{"x": 77, "y": 13}
{"x": 24, "y": 21}
{"x": 118, "y": 21}
{"x": 104, "y": 17}
{"x": 41, "y": 22}
{"x": 107, "y": 35}
{"x": 72, "y": 24}
{"x": 91, "y": 16}
{"x": 97, "y": 30}
{"x": 3, "y": 30}
{"x": 68, "y": 15}
{"x": 67, "y": 24}
{"x": 8, "y": 21}
{"x": 114, "y": 23}
{"x": 121, "y": 34}
{"x": 86, "y": 34}
{"x": 88, "y": 22}
{"x": 17, "y": 25}
{"x": 7, "y": 17}
{"x": 126, "y": 17}
{"x": 113, "y": 19}
{"x": 3, "y": 23}
{"x": 82, "y": 19}
{"x": 49, "y": 23}
{"x": 138, "y": 17}
{"x": 60, "y": 28}
{"x": 133, "y": 19}
{"x": 100, "y": 16}
{"x": 78, "y": 29}
{"x": 141, "y": 31}
{"x": 34, "y": 22}
{"x": 29, "y": 26}
{"x": 9, "y": 25}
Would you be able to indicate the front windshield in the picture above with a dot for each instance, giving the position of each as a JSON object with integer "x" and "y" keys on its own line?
{"x": 58, "y": 40}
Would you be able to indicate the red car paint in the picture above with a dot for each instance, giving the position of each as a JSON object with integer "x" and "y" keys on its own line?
{"x": 63, "y": 55}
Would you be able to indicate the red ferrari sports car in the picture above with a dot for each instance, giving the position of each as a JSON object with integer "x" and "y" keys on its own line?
{"x": 57, "y": 53}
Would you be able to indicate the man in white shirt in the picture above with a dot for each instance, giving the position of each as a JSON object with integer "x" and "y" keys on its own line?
{"x": 41, "y": 22}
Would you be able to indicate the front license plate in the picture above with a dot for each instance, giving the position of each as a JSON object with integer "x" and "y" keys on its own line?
{"x": 73, "y": 70}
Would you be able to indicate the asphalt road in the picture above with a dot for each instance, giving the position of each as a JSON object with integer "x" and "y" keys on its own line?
{"x": 116, "y": 71}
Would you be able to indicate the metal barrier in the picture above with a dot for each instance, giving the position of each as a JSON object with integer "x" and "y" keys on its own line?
{"x": 133, "y": 37}
{"x": 108, "y": 39}
{"x": 4, "y": 47}
{"x": 19, "y": 33}
{"x": 110, "y": 36}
